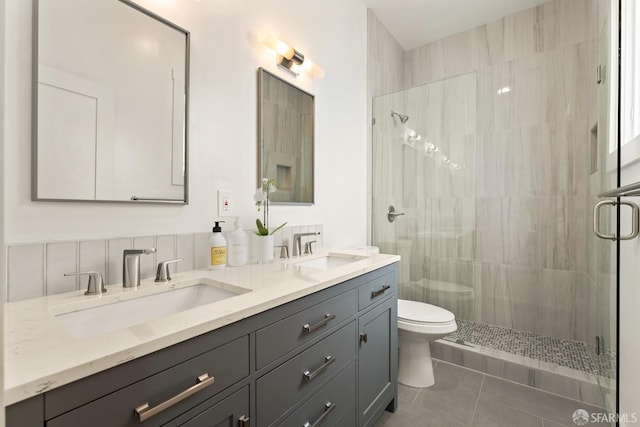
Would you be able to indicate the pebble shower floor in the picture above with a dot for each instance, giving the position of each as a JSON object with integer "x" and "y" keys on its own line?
{"x": 571, "y": 354}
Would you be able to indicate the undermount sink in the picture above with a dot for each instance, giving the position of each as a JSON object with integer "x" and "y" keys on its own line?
{"x": 330, "y": 261}
{"x": 120, "y": 314}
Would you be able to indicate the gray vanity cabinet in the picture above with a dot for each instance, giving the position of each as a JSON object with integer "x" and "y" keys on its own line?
{"x": 327, "y": 359}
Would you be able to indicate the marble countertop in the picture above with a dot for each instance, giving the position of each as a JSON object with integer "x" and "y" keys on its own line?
{"x": 40, "y": 353}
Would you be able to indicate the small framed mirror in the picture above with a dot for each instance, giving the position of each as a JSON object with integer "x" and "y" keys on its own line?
{"x": 286, "y": 139}
{"x": 110, "y": 82}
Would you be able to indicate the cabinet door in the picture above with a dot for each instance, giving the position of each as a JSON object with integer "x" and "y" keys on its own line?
{"x": 230, "y": 412}
{"x": 375, "y": 361}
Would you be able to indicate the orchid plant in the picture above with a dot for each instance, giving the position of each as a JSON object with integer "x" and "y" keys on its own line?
{"x": 261, "y": 198}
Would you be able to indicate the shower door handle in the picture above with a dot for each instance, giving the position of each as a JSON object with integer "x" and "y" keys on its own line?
{"x": 392, "y": 214}
{"x": 635, "y": 220}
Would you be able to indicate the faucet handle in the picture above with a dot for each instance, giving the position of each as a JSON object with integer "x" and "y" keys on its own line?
{"x": 308, "y": 249}
{"x": 95, "y": 286}
{"x": 284, "y": 250}
{"x": 162, "y": 274}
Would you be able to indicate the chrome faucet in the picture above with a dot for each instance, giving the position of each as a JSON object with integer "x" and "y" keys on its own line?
{"x": 131, "y": 266}
{"x": 297, "y": 245}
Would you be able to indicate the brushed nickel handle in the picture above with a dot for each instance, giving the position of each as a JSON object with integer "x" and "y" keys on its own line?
{"x": 596, "y": 219}
{"x": 380, "y": 291}
{"x": 328, "y": 407}
{"x": 392, "y": 214}
{"x": 144, "y": 412}
{"x": 95, "y": 286}
{"x": 635, "y": 219}
{"x": 327, "y": 318}
{"x": 162, "y": 273}
{"x": 308, "y": 376}
{"x": 244, "y": 421}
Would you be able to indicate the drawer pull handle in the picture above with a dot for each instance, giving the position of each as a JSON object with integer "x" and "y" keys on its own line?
{"x": 244, "y": 421}
{"x": 311, "y": 375}
{"x": 328, "y": 407}
{"x": 363, "y": 338}
{"x": 380, "y": 291}
{"x": 144, "y": 412}
{"x": 327, "y": 318}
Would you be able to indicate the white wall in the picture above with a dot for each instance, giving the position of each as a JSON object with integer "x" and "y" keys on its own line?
{"x": 224, "y": 58}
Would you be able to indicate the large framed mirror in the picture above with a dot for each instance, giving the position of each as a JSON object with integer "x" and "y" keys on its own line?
{"x": 286, "y": 139}
{"x": 110, "y": 108}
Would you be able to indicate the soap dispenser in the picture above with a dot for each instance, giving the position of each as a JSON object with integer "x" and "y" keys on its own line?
{"x": 237, "y": 246}
{"x": 218, "y": 246}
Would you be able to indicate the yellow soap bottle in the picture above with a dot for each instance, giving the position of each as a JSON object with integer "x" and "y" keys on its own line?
{"x": 218, "y": 246}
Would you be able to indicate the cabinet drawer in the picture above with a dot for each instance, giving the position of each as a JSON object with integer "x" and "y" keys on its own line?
{"x": 281, "y": 388}
{"x": 226, "y": 412}
{"x": 376, "y": 290}
{"x": 327, "y": 407}
{"x": 280, "y": 338}
{"x": 226, "y": 364}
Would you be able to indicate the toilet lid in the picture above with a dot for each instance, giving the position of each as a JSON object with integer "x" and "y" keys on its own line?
{"x": 414, "y": 311}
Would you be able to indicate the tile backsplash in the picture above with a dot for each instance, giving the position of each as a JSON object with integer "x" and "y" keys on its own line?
{"x": 37, "y": 269}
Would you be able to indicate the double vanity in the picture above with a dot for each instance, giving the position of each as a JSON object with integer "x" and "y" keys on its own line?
{"x": 310, "y": 341}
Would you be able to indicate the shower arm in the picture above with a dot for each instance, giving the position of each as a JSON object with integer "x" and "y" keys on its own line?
{"x": 403, "y": 117}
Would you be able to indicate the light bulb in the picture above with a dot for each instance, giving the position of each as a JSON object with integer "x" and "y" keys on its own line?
{"x": 278, "y": 46}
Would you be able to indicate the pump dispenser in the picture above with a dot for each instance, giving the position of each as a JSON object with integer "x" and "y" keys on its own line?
{"x": 237, "y": 246}
{"x": 218, "y": 246}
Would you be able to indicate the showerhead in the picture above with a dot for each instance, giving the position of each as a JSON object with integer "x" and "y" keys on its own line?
{"x": 403, "y": 118}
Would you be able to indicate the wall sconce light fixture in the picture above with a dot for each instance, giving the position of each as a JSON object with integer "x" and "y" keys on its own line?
{"x": 289, "y": 58}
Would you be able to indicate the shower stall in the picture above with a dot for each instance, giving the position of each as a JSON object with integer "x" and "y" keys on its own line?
{"x": 484, "y": 182}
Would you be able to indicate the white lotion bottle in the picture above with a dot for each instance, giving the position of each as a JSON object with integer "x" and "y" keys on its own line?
{"x": 237, "y": 246}
{"x": 218, "y": 246}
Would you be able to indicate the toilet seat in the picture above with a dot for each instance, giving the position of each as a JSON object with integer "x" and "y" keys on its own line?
{"x": 422, "y": 318}
{"x": 421, "y": 312}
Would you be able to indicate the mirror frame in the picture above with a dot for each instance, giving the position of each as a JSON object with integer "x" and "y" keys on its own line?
{"x": 34, "y": 114}
{"x": 260, "y": 131}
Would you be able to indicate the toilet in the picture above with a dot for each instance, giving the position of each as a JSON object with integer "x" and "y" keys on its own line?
{"x": 418, "y": 324}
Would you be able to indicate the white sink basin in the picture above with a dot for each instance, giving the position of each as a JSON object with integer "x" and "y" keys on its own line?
{"x": 330, "y": 261}
{"x": 120, "y": 314}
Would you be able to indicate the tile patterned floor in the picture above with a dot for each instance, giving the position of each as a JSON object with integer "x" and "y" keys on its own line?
{"x": 462, "y": 397}
{"x": 571, "y": 354}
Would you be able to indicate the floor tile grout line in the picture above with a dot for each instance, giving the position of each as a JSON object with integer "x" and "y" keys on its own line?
{"x": 416, "y": 397}
{"x": 521, "y": 410}
{"x": 475, "y": 409}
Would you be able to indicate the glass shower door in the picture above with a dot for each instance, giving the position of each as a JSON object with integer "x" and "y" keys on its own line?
{"x": 424, "y": 191}
{"x": 605, "y": 214}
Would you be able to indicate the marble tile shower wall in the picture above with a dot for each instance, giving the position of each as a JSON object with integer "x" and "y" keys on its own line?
{"x": 536, "y": 100}
{"x": 386, "y": 59}
{"x": 37, "y": 269}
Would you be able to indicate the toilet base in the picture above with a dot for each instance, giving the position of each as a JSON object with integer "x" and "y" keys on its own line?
{"x": 415, "y": 367}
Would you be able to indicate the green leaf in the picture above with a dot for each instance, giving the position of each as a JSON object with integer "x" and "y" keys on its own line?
{"x": 262, "y": 231}
{"x": 278, "y": 228}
